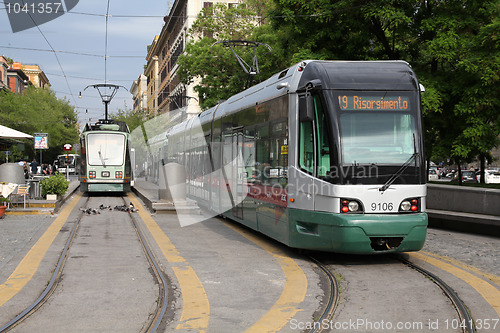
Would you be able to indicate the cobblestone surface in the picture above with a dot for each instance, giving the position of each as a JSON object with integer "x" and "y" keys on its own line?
{"x": 475, "y": 250}
{"x": 19, "y": 231}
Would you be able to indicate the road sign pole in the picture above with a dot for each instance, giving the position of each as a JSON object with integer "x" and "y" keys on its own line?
{"x": 67, "y": 147}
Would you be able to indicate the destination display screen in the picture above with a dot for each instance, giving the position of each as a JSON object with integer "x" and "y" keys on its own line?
{"x": 374, "y": 103}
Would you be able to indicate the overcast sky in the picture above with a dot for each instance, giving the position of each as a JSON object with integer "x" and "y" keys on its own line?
{"x": 78, "y": 32}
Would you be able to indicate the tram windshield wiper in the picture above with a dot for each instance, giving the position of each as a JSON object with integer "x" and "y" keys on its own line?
{"x": 400, "y": 171}
{"x": 102, "y": 158}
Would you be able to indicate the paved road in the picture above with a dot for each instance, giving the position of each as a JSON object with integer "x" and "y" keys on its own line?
{"x": 242, "y": 277}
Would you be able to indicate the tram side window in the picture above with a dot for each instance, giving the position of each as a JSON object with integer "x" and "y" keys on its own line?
{"x": 323, "y": 142}
{"x": 306, "y": 141}
{"x": 263, "y": 154}
{"x": 279, "y": 151}
{"x": 311, "y": 130}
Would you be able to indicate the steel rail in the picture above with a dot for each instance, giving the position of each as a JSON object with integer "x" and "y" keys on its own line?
{"x": 459, "y": 305}
{"x": 162, "y": 282}
{"x": 333, "y": 299}
{"x": 161, "y": 307}
{"x": 52, "y": 283}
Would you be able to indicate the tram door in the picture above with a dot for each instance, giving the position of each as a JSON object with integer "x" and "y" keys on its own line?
{"x": 238, "y": 173}
{"x": 233, "y": 171}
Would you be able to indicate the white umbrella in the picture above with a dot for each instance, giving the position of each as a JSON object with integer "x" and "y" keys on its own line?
{"x": 9, "y": 133}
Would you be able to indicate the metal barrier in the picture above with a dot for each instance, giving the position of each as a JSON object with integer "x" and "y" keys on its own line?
{"x": 34, "y": 183}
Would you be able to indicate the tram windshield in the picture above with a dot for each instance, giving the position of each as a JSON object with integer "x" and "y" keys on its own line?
{"x": 376, "y": 128}
{"x": 105, "y": 149}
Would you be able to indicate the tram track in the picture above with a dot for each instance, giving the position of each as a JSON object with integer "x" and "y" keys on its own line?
{"x": 333, "y": 298}
{"x": 51, "y": 286}
{"x": 154, "y": 319}
{"x": 460, "y": 306}
{"x": 329, "y": 310}
{"x": 162, "y": 303}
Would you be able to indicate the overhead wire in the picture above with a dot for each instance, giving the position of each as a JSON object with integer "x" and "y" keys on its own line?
{"x": 55, "y": 54}
{"x": 106, "y": 46}
{"x": 106, "y": 56}
{"x": 71, "y": 52}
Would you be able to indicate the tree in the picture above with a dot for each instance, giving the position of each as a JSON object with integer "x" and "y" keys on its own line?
{"x": 459, "y": 57}
{"x": 133, "y": 118}
{"x": 38, "y": 110}
{"x": 213, "y": 68}
{"x": 452, "y": 46}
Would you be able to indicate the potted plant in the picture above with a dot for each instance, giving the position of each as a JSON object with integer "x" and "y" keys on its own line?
{"x": 3, "y": 206}
{"x": 56, "y": 184}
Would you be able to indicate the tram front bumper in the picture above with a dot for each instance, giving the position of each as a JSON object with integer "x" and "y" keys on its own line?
{"x": 357, "y": 233}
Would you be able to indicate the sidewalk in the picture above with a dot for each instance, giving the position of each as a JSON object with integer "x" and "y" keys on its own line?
{"x": 43, "y": 207}
{"x": 150, "y": 195}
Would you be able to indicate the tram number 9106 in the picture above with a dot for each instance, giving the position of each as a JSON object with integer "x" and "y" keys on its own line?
{"x": 382, "y": 206}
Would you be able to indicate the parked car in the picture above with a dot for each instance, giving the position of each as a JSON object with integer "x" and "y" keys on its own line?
{"x": 469, "y": 176}
{"x": 492, "y": 176}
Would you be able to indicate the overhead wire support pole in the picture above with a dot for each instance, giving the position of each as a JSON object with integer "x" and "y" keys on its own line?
{"x": 106, "y": 97}
{"x": 253, "y": 69}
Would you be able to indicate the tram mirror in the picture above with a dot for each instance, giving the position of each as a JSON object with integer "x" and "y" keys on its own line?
{"x": 306, "y": 108}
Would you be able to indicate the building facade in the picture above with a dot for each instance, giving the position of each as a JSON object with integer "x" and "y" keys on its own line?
{"x": 4, "y": 66}
{"x": 151, "y": 73}
{"x": 17, "y": 77}
{"x": 17, "y": 80}
{"x": 139, "y": 91}
{"x": 36, "y": 76}
{"x": 169, "y": 93}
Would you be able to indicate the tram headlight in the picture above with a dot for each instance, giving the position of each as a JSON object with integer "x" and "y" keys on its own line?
{"x": 405, "y": 206}
{"x": 119, "y": 174}
{"x": 350, "y": 206}
{"x": 92, "y": 174}
{"x": 411, "y": 205}
{"x": 353, "y": 206}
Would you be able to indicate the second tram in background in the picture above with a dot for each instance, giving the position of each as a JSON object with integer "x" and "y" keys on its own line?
{"x": 105, "y": 161}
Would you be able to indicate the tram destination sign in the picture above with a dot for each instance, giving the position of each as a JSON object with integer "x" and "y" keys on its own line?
{"x": 373, "y": 103}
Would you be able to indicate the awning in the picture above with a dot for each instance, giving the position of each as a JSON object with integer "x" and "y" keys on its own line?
{"x": 9, "y": 133}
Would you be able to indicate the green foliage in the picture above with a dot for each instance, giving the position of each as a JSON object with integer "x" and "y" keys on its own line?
{"x": 453, "y": 47}
{"x": 213, "y": 68}
{"x": 38, "y": 110}
{"x": 56, "y": 184}
{"x": 132, "y": 118}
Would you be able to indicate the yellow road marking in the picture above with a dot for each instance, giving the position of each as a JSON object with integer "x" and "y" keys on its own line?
{"x": 489, "y": 292}
{"x": 293, "y": 293}
{"x": 30, "y": 263}
{"x": 196, "y": 308}
{"x": 492, "y": 277}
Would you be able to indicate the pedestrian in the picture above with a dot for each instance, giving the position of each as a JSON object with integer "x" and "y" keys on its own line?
{"x": 34, "y": 167}
{"x": 26, "y": 170}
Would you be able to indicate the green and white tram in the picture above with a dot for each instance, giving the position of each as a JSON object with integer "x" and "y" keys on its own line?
{"x": 105, "y": 163}
{"x": 325, "y": 155}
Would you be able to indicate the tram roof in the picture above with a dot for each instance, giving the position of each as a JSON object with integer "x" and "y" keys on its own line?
{"x": 333, "y": 74}
{"x": 361, "y": 75}
{"x": 107, "y": 125}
